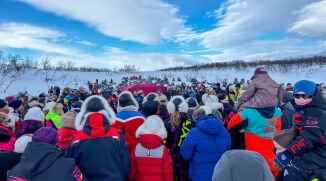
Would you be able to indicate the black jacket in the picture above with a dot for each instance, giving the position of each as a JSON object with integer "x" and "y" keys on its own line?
{"x": 43, "y": 161}
{"x": 8, "y": 159}
{"x": 100, "y": 150}
{"x": 288, "y": 115}
{"x": 309, "y": 147}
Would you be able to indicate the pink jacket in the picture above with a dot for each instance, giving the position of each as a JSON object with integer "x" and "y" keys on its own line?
{"x": 8, "y": 138}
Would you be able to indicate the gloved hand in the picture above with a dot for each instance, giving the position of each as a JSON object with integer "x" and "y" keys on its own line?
{"x": 282, "y": 160}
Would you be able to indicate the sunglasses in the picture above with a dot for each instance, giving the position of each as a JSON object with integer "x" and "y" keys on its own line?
{"x": 304, "y": 96}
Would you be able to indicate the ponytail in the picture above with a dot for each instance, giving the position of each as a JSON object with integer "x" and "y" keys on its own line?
{"x": 175, "y": 120}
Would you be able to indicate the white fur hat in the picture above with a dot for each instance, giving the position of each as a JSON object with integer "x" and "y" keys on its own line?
{"x": 127, "y": 102}
{"x": 21, "y": 143}
{"x": 35, "y": 103}
{"x": 13, "y": 119}
{"x": 49, "y": 106}
{"x": 152, "y": 125}
{"x": 34, "y": 113}
{"x": 177, "y": 103}
{"x": 209, "y": 99}
{"x": 94, "y": 104}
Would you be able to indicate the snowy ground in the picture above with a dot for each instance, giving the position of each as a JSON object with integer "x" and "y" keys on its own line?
{"x": 34, "y": 80}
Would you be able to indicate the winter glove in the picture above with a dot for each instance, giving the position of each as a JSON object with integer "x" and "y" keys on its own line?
{"x": 282, "y": 160}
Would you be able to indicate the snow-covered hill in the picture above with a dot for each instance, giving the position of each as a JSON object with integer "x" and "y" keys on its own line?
{"x": 34, "y": 81}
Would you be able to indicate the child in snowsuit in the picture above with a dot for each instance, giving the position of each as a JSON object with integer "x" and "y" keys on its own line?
{"x": 150, "y": 159}
{"x": 308, "y": 149}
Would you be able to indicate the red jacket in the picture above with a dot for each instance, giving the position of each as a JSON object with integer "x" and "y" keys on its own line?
{"x": 150, "y": 160}
{"x": 65, "y": 134}
{"x": 128, "y": 123}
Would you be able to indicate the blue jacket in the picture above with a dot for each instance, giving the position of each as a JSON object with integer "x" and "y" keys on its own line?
{"x": 204, "y": 146}
{"x": 191, "y": 94}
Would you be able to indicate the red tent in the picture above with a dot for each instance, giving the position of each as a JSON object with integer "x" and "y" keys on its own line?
{"x": 147, "y": 88}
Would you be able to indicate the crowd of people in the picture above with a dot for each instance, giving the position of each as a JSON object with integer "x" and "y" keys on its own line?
{"x": 248, "y": 131}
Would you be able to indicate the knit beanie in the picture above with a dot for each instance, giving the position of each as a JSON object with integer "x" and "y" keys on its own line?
{"x": 68, "y": 120}
{"x": 287, "y": 96}
{"x": 305, "y": 86}
{"x": 15, "y": 103}
{"x": 46, "y": 135}
{"x": 21, "y": 143}
{"x": 9, "y": 98}
{"x": 260, "y": 70}
{"x": 2, "y": 103}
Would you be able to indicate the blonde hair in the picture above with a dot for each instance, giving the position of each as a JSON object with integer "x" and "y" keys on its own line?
{"x": 3, "y": 118}
{"x": 58, "y": 108}
{"x": 175, "y": 120}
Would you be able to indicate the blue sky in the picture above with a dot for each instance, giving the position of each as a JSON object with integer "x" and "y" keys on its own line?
{"x": 161, "y": 33}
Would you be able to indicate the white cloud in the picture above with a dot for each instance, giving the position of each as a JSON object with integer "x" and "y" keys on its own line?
{"x": 244, "y": 20}
{"x": 115, "y": 57}
{"x": 312, "y": 21}
{"x": 16, "y": 35}
{"x": 86, "y": 43}
{"x": 240, "y": 24}
{"x": 31, "y": 31}
{"x": 143, "y": 21}
{"x": 269, "y": 49}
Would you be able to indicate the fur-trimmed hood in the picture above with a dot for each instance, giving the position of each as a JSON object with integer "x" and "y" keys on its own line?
{"x": 94, "y": 104}
{"x": 151, "y": 97}
{"x": 212, "y": 101}
{"x": 192, "y": 102}
{"x": 152, "y": 125}
{"x": 177, "y": 103}
{"x": 34, "y": 113}
{"x": 127, "y": 102}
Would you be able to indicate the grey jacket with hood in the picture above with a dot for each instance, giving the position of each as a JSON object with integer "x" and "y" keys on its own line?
{"x": 242, "y": 165}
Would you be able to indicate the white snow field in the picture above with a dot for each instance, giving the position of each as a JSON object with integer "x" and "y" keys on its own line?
{"x": 35, "y": 83}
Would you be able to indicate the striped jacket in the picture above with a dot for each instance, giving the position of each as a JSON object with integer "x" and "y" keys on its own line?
{"x": 128, "y": 123}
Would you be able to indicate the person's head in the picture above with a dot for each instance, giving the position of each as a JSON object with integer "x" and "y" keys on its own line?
{"x": 289, "y": 85}
{"x": 4, "y": 120}
{"x": 65, "y": 90}
{"x": 283, "y": 139}
{"x": 94, "y": 90}
{"x": 153, "y": 125}
{"x": 206, "y": 90}
{"x": 94, "y": 110}
{"x": 188, "y": 89}
{"x": 175, "y": 106}
{"x": 68, "y": 120}
{"x": 212, "y": 92}
{"x": 34, "y": 113}
{"x": 54, "y": 98}
{"x": 218, "y": 85}
{"x": 140, "y": 93}
{"x": 21, "y": 143}
{"x": 135, "y": 92}
{"x": 287, "y": 97}
{"x": 16, "y": 104}
{"x": 303, "y": 91}
{"x": 223, "y": 98}
{"x": 3, "y": 104}
{"x": 46, "y": 135}
{"x": 81, "y": 90}
{"x": 127, "y": 102}
{"x": 58, "y": 108}
{"x": 260, "y": 70}
{"x": 159, "y": 91}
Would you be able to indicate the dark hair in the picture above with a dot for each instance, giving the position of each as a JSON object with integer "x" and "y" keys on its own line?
{"x": 221, "y": 96}
{"x": 285, "y": 137}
